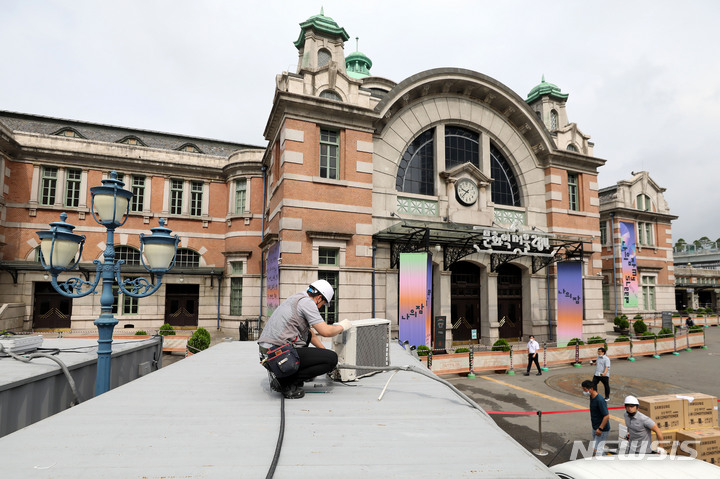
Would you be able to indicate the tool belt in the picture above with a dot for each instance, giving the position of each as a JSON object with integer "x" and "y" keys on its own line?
{"x": 282, "y": 361}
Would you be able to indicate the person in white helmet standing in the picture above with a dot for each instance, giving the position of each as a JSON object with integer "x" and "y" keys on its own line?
{"x": 296, "y": 321}
{"x": 639, "y": 427}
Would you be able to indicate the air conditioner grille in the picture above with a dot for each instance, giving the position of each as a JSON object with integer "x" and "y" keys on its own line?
{"x": 372, "y": 345}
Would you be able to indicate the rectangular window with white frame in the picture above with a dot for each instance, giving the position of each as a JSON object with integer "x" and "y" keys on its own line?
{"x": 138, "y": 189}
{"x": 72, "y": 188}
{"x": 48, "y": 185}
{"x": 240, "y": 192}
{"x": 176, "y": 196}
{"x": 329, "y": 154}
{"x": 648, "y": 289}
{"x": 196, "y": 198}
{"x": 645, "y": 235}
{"x": 573, "y": 192}
{"x": 236, "y": 287}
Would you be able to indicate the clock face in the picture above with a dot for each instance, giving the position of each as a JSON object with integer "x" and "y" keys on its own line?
{"x": 466, "y": 191}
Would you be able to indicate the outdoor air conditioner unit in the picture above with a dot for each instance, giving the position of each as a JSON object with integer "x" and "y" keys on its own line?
{"x": 366, "y": 344}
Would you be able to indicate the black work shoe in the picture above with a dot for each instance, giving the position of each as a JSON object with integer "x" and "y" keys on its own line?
{"x": 274, "y": 383}
{"x": 526, "y": 374}
{"x": 538, "y": 374}
{"x": 293, "y": 392}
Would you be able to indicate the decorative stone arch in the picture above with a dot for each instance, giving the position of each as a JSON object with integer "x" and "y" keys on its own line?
{"x": 415, "y": 107}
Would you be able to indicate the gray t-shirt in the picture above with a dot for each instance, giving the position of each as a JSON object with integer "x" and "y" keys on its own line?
{"x": 291, "y": 322}
{"x": 638, "y": 428}
{"x": 600, "y": 365}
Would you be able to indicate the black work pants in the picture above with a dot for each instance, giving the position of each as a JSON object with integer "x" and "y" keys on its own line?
{"x": 533, "y": 358}
{"x": 606, "y": 382}
{"x": 313, "y": 362}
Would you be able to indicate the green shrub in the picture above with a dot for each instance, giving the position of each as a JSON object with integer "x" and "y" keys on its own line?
{"x": 638, "y": 316}
{"x": 676, "y": 315}
{"x": 167, "y": 330}
{"x": 199, "y": 341}
{"x": 622, "y": 322}
{"x": 596, "y": 340}
{"x": 648, "y": 335}
{"x": 665, "y": 332}
{"x": 624, "y": 316}
{"x": 140, "y": 333}
{"x": 575, "y": 341}
{"x": 695, "y": 329}
{"x": 622, "y": 339}
{"x": 462, "y": 350}
{"x": 689, "y": 310}
{"x": 501, "y": 345}
{"x": 422, "y": 350}
{"x": 640, "y": 327}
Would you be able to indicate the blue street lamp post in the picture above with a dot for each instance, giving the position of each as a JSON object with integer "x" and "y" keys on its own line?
{"x": 62, "y": 249}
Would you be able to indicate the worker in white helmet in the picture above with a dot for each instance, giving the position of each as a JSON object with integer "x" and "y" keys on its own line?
{"x": 297, "y": 320}
{"x": 639, "y": 428}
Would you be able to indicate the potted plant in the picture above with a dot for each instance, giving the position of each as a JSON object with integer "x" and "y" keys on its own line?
{"x": 167, "y": 330}
{"x": 422, "y": 350}
{"x": 640, "y": 327}
{"x": 622, "y": 325}
{"x": 199, "y": 341}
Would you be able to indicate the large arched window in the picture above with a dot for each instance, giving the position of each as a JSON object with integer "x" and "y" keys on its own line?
{"x": 187, "y": 258}
{"x": 461, "y": 146}
{"x": 130, "y": 255}
{"x": 505, "y": 189}
{"x": 416, "y": 173}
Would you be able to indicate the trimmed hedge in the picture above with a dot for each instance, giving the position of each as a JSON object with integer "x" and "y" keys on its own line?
{"x": 199, "y": 341}
{"x": 501, "y": 345}
{"x": 167, "y": 330}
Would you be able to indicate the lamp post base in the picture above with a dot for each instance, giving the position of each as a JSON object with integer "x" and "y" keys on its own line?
{"x": 106, "y": 324}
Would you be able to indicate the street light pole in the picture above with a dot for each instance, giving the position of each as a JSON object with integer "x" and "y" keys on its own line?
{"x": 62, "y": 250}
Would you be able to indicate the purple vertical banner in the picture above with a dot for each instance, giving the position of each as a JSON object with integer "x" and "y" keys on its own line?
{"x": 570, "y": 301}
{"x": 413, "y": 314}
{"x": 273, "y": 278}
{"x": 628, "y": 260}
{"x": 428, "y": 303}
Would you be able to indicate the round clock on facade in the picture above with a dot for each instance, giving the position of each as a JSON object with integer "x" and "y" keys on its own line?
{"x": 466, "y": 191}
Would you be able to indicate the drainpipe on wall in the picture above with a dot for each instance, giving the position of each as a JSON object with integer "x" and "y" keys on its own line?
{"x": 612, "y": 236}
{"x": 218, "y": 307}
{"x": 374, "y": 248}
{"x": 262, "y": 234}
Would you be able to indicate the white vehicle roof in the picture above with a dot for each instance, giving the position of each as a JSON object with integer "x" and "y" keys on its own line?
{"x": 623, "y": 466}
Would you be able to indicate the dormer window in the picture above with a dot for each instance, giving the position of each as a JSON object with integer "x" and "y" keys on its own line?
{"x": 324, "y": 57}
{"x": 132, "y": 140}
{"x": 643, "y": 202}
{"x": 189, "y": 147}
{"x": 572, "y": 147}
{"x": 69, "y": 133}
{"x": 330, "y": 95}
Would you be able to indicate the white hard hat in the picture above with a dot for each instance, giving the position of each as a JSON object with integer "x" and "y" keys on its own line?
{"x": 631, "y": 400}
{"x": 324, "y": 288}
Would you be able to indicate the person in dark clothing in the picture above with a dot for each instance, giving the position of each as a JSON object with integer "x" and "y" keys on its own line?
{"x": 599, "y": 417}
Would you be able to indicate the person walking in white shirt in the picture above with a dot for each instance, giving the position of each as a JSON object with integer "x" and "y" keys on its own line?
{"x": 602, "y": 372}
{"x": 533, "y": 348}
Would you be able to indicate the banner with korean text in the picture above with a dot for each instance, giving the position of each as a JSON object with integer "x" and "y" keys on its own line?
{"x": 629, "y": 265}
{"x": 415, "y": 293}
{"x": 570, "y": 301}
{"x": 273, "y": 278}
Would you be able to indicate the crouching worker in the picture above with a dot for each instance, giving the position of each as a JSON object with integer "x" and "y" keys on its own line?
{"x": 296, "y": 321}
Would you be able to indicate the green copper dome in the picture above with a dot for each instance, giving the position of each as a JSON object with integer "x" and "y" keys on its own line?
{"x": 320, "y": 23}
{"x": 357, "y": 64}
{"x": 545, "y": 88}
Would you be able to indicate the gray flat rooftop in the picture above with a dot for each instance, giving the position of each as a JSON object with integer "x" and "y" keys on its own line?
{"x": 214, "y": 415}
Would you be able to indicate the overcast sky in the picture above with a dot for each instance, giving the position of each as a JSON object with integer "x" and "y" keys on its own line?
{"x": 643, "y": 76}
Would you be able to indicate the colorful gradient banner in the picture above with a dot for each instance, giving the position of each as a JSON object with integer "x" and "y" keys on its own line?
{"x": 629, "y": 264}
{"x": 273, "y": 278}
{"x": 570, "y": 301}
{"x": 415, "y": 291}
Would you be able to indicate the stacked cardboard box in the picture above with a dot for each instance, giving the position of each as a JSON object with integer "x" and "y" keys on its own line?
{"x": 690, "y": 418}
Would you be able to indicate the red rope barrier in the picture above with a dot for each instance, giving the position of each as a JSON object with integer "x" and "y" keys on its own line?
{"x": 522, "y": 413}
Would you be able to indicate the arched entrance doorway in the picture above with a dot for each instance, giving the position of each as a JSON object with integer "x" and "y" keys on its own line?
{"x": 509, "y": 298}
{"x": 465, "y": 302}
